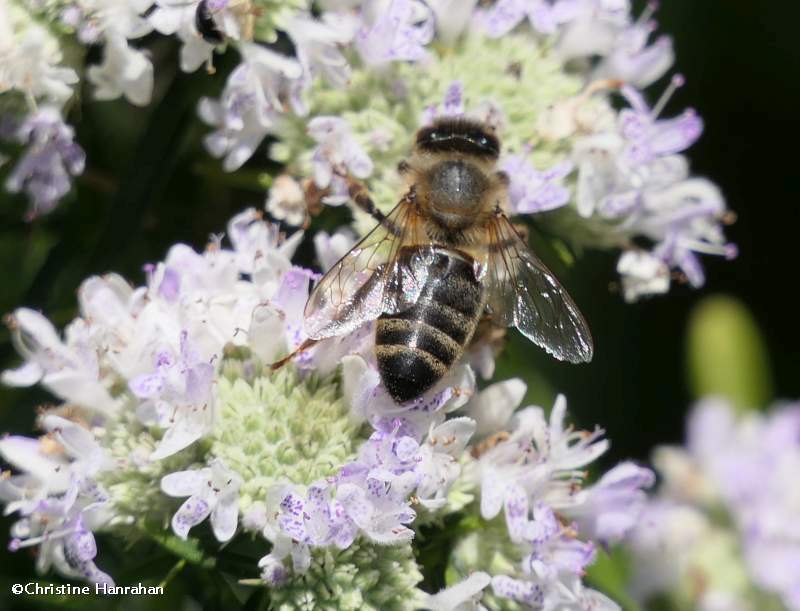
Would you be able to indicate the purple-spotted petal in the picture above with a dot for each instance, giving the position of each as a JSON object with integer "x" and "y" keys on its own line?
{"x": 193, "y": 511}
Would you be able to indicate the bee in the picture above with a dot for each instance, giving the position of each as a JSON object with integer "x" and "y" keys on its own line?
{"x": 444, "y": 258}
{"x": 209, "y": 30}
{"x": 206, "y": 26}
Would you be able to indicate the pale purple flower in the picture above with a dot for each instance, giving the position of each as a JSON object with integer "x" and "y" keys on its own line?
{"x": 213, "y": 491}
{"x": 57, "y": 497}
{"x": 51, "y": 159}
{"x": 530, "y": 190}
{"x": 648, "y": 137}
{"x": 178, "y": 397}
{"x": 290, "y": 300}
{"x": 370, "y": 401}
{"x": 541, "y": 457}
{"x": 399, "y": 32}
{"x": 249, "y": 105}
{"x": 371, "y": 496}
{"x": 69, "y": 368}
{"x": 605, "y": 29}
{"x": 545, "y": 16}
{"x": 535, "y": 476}
{"x": 260, "y": 250}
{"x": 610, "y": 508}
{"x": 318, "y": 43}
{"x": 554, "y": 560}
{"x": 743, "y": 465}
{"x": 451, "y": 106}
{"x": 336, "y": 155}
{"x": 635, "y": 176}
{"x": 519, "y": 590}
{"x": 633, "y": 61}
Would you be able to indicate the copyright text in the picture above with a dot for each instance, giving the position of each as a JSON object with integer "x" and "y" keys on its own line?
{"x": 34, "y": 588}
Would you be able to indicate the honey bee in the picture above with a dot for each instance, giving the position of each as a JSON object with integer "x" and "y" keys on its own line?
{"x": 207, "y": 27}
{"x": 441, "y": 260}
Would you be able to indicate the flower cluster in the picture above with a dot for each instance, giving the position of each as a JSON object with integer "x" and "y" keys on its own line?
{"x": 544, "y": 75}
{"x": 725, "y": 515}
{"x": 365, "y": 75}
{"x": 170, "y": 416}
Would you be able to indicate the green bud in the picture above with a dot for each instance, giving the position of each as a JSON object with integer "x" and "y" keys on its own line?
{"x": 726, "y": 353}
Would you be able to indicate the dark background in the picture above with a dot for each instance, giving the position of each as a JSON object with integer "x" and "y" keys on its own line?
{"x": 149, "y": 185}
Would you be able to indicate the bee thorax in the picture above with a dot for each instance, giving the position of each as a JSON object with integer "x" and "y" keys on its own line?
{"x": 456, "y": 190}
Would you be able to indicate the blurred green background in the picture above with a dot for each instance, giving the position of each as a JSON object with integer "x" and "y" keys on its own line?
{"x": 149, "y": 184}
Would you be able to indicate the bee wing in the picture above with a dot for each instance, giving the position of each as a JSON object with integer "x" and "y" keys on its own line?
{"x": 524, "y": 294}
{"x": 384, "y": 272}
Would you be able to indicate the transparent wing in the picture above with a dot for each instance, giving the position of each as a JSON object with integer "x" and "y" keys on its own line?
{"x": 524, "y": 294}
{"x": 384, "y": 272}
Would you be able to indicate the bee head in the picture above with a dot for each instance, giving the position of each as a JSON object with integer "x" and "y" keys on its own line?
{"x": 459, "y": 135}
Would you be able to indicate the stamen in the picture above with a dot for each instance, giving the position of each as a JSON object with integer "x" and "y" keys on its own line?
{"x": 55, "y": 534}
{"x": 676, "y": 83}
{"x": 649, "y": 10}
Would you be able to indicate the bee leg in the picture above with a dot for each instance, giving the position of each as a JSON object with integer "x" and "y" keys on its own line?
{"x": 300, "y": 349}
{"x": 360, "y": 196}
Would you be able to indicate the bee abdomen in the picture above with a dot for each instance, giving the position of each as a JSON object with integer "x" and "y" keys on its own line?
{"x": 417, "y": 347}
{"x": 421, "y": 336}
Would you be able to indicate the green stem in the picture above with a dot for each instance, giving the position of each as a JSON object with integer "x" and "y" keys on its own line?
{"x": 173, "y": 572}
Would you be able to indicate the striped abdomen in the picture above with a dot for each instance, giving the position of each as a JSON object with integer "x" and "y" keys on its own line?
{"x": 417, "y": 347}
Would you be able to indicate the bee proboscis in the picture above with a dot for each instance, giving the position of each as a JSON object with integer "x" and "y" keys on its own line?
{"x": 442, "y": 259}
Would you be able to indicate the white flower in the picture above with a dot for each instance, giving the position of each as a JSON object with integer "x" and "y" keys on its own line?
{"x": 30, "y": 58}
{"x": 493, "y": 406}
{"x": 452, "y": 17}
{"x": 543, "y": 458}
{"x": 213, "y": 491}
{"x": 123, "y": 71}
{"x": 642, "y": 274}
{"x": 331, "y": 248}
{"x": 463, "y": 596}
{"x": 336, "y": 155}
{"x": 437, "y": 460}
{"x": 286, "y": 200}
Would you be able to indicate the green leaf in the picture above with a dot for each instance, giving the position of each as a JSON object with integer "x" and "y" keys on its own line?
{"x": 609, "y": 573}
{"x": 726, "y": 354}
{"x": 188, "y": 549}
